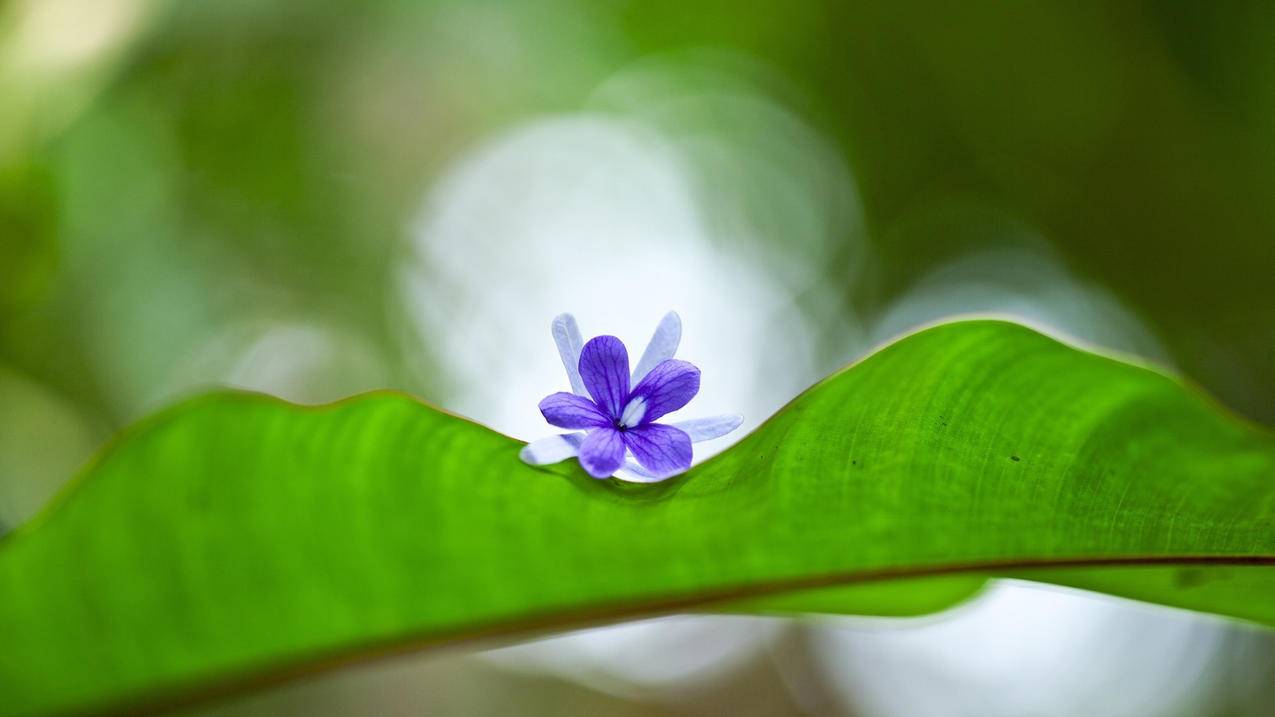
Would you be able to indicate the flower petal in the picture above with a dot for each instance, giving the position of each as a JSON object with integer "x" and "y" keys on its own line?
{"x": 566, "y": 334}
{"x": 704, "y": 429}
{"x": 668, "y": 387}
{"x": 662, "y": 450}
{"x": 662, "y": 347}
{"x": 602, "y": 452}
{"x": 634, "y": 473}
{"x": 551, "y": 449}
{"x": 604, "y": 366}
{"x": 567, "y": 410}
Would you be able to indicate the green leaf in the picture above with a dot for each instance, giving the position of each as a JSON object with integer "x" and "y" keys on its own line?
{"x": 236, "y": 539}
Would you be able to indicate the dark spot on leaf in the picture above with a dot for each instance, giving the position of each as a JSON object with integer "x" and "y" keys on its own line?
{"x": 1015, "y": 458}
{"x": 1189, "y": 577}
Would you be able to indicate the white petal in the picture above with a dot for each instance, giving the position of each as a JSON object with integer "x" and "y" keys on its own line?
{"x": 566, "y": 333}
{"x": 633, "y": 412}
{"x": 703, "y": 429}
{"x": 662, "y": 346}
{"x": 634, "y": 473}
{"x": 551, "y": 449}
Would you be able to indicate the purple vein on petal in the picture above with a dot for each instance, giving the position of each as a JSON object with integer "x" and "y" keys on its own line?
{"x": 604, "y": 366}
{"x": 602, "y": 452}
{"x": 567, "y": 410}
{"x": 668, "y": 387}
{"x": 662, "y": 450}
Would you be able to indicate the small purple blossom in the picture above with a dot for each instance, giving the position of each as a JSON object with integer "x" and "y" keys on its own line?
{"x": 617, "y": 410}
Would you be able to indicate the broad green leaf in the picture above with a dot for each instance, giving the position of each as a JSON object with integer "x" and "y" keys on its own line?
{"x": 236, "y": 539}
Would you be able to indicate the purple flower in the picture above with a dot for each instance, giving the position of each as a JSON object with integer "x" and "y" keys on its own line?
{"x": 617, "y": 410}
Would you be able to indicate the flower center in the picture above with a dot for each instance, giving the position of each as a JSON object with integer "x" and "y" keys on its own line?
{"x": 633, "y": 413}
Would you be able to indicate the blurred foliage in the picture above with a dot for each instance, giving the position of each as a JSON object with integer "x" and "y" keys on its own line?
{"x": 1140, "y": 146}
{"x": 27, "y": 210}
{"x": 185, "y": 184}
{"x": 260, "y": 162}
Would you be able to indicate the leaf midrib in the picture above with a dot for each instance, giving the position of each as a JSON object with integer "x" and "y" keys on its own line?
{"x": 527, "y": 627}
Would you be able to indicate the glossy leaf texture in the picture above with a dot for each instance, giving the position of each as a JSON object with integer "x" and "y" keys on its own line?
{"x": 236, "y": 540}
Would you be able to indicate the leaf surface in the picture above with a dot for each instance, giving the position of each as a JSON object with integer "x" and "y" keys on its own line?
{"x": 235, "y": 539}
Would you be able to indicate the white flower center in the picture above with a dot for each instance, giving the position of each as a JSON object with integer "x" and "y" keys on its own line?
{"x": 633, "y": 413}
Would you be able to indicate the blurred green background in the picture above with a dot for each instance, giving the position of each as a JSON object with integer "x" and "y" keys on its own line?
{"x": 317, "y": 198}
